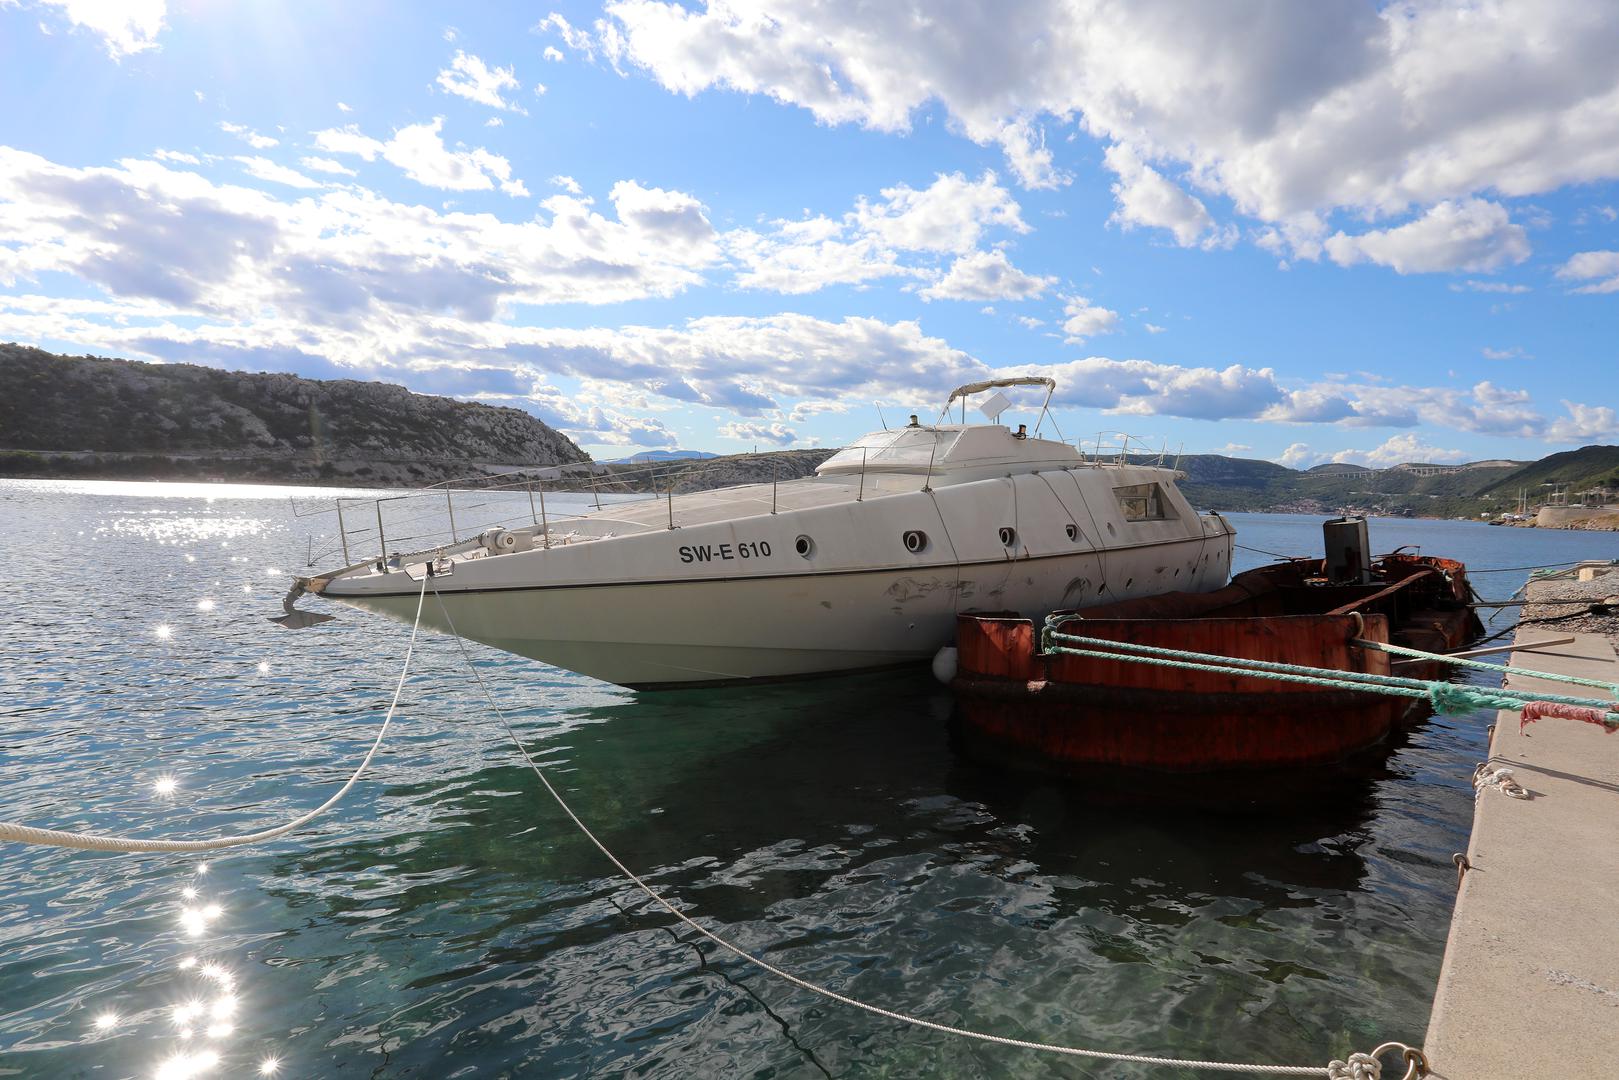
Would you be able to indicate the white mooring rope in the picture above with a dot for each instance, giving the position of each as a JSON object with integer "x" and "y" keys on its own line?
{"x": 28, "y": 834}
{"x": 1358, "y": 1067}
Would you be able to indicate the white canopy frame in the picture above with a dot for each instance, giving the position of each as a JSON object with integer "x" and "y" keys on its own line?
{"x": 964, "y": 392}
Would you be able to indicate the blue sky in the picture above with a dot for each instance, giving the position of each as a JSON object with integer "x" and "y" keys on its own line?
{"x": 1373, "y": 233}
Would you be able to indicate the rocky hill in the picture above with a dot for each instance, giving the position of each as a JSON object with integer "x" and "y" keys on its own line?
{"x": 1587, "y": 467}
{"x": 92, "y": 416}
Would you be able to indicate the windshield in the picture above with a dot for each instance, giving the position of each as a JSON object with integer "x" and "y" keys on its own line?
{"x": 902, "y": 450}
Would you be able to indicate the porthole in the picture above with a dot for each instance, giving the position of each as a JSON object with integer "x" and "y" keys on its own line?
{"x": 804, "y": 546}
{"x": 1008, "y": 536}
{"x": 1072, "y": 530}
{"x": 915, "y": 541}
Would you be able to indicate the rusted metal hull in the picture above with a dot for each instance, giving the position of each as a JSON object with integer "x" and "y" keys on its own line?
{"x": 1076, "y": 715}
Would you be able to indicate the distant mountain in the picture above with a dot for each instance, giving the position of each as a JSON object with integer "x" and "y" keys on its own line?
{"x": 62, "y": 415}
{"x": 1331, "y": 467}
{"x": 646, "y": 456}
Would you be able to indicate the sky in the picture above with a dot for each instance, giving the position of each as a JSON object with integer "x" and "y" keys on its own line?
{"x": 1312, "y": 232}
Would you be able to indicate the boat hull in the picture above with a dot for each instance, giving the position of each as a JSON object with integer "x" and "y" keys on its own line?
{"x": 832, "y": 583}
{"x": 689, "y": 633}
{"x": 1077, "y": 715}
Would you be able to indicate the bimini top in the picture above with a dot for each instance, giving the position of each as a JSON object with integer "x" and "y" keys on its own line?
{"x": 954, "y": 453}
{"x": 949, "y": 451}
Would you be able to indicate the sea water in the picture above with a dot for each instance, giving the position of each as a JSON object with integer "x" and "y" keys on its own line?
{"x": 447, "y": 920}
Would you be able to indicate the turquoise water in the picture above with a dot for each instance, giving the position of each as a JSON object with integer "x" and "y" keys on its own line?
{"x": 446, "y": 920}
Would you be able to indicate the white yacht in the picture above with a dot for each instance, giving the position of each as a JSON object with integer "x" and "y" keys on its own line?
{"x": 863, "y": 565}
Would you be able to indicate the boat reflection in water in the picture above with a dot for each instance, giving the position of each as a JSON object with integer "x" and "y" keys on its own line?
{"x": 832, "y": 828}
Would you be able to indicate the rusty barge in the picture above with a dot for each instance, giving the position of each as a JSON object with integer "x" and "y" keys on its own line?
{"x": 1085, "y": 716}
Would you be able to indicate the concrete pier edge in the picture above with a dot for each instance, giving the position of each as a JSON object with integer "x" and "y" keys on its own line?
{"x": 1530, "y": 980}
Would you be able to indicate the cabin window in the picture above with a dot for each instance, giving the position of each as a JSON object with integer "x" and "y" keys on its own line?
{"x": 1142, "y": 502}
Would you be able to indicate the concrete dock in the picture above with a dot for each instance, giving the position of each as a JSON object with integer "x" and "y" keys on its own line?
{"x": 1530, "y": 981}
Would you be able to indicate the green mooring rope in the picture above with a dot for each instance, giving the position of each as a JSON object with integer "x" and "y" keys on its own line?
{"x": 1443, "y": 697}
{"x": 1482, "y": 665}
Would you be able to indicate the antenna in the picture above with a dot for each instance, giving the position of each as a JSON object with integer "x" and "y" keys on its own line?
{"x": 991, "y": 408}
{"x": 879, "y": 408}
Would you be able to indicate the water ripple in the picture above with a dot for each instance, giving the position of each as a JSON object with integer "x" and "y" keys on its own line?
{"x": 447, "y": 912}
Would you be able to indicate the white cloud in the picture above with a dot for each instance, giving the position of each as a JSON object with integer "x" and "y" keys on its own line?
{"x": 1471, "y": 235}
{"x": 1488, "y": 287}
{"x": 1154, "y": 328}
{"x": 469, "y": 77}
{"x": 1588, "y": 265}
{"x": 1086, "y": 320}
{"x": 176, "y": 155}
{"x": 1293, "y": 112}
{"x": 1399, "y": 450}
{"x": 986, "y": 275}
{"x": 1145, "y": 197}
{"x": 124, "y": 26}
{"x": 341, "y": 268}
{"x": 348, "y": 140}
{"x": 344, "y": 107}
{"x": 1584, "y": 424}
{"x": 776, "y": 433}
{"x": 264, "y": 169}
{"x": 1145, "y": 388}
{"x": 249, "y": 136}
{"x": 327, "y": 165}
{"x": 419, "y": 150}
{"x": 672, "y": 219}
{"x": 1485, "y": 408}
{"x": 553, "y": 54}
{"x": 1026, "y": 155}
{"x": 575, "y": 39}
{"x": 1513, "y": 353}
{"x": 568, "y": 184}
{"x": 494, "y": 121}
{"x": 951, "y": 215}
{"x": 1299, "y": 456}
{"x": 808, "y": 410}
{"x": 596, "y": 426}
